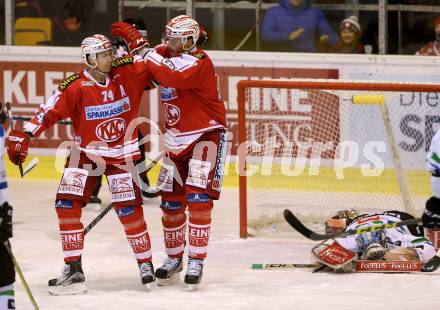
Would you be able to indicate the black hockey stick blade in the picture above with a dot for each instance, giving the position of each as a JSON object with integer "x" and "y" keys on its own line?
{"x": 432, "y": 265}
{"x": 299, "y": 227}
{"x": 303, "y": 230}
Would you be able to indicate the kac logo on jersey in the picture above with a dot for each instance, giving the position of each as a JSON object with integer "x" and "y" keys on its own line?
{"x": 173, "y": 114}
{"x": 168, "y": 93}
{"x": 111, "y": 130}
{"x": 107, "y": 110}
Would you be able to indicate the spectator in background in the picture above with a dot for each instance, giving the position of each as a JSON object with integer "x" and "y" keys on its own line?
{"x": 432, "y": 48}
{"x": 350, "y": 33}
{"x": 295, "y": 26}
{"x": 69, "y": 24}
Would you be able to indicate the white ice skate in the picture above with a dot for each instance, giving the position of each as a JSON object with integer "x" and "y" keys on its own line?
{"x": 71, "y": 281}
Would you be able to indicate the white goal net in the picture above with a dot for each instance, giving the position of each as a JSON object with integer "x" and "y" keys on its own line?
{"x": 317, "y": 147}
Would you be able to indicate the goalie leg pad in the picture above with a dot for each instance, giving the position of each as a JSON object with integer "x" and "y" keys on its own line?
{"x": 132, "y": 219}
{"x": 71, "y": 228}
{"x": 402, "y": 254}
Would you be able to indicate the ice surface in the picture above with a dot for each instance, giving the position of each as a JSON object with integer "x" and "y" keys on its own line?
{"x": 229, "y": 283}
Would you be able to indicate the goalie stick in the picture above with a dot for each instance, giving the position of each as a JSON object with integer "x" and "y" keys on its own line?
{"x": 433, "y": 264}
{"x": 284, "y": 266}
{"x": 306, "y": 232}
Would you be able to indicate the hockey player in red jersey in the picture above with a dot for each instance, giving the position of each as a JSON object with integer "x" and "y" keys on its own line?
{"x": 102, "y": 101}
{"x": 195, "y": 140}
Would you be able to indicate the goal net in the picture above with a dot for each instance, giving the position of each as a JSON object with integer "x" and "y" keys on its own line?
{"x": 320, "y": 146}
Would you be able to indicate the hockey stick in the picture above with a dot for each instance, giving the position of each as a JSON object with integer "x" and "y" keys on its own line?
{"x": 109, "y": 207}
{"x": 34, "y": 162}
{"x": 433, "y": 264}
{"x": 306, "y": 232}
{"x": 20, "y": 274}
{"x": 97, "y": 219}
{"x": 284, "y": 266}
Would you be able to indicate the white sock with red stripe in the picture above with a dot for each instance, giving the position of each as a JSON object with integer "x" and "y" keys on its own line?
{"x": 174, "y": 237}
{"x": 72, "y": 242}
{"x": 141, "y": 245}
{"x": 198, "y": 237}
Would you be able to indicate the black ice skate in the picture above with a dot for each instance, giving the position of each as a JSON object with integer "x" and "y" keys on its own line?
{"x": 147, "y": 274}
{"x": 71, "y": 281}
{"x": 169, "y": 273}
{"x": 194, "y": 273}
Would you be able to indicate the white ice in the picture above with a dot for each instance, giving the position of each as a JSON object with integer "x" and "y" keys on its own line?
{"x": 228, "y": 282}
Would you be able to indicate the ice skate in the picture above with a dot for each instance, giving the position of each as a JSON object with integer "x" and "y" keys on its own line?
{"x": 169, "y": 272}
{"x": 71, "y": 281}
{"x": 147, "y": 274}
{"x": 194, "y": 273}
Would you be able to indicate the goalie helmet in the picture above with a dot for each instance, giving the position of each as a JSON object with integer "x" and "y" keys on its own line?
{"x": 93, "y": 45}
{"x": 182, "y": 27}
{"x": 338, "y": 222}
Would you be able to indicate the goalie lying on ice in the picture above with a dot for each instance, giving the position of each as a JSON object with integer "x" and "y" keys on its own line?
{"x": 405, "y": 243}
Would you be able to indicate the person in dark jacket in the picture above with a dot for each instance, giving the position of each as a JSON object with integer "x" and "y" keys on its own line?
{"x": 295, "y": 26}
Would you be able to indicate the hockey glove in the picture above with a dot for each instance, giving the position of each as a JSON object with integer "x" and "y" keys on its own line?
{"x": 18, "y": 144}
{"x": 131, "y": 36}
{"x": 431, "y": 214}
{"x": 5, "y": 222}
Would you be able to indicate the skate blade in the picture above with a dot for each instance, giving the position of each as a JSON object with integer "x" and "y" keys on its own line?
{"x": 171, "y": 280}
{"x": 71, "y": 289}
{"x": 192, "y": 287}
{"x": 148, "y": 286}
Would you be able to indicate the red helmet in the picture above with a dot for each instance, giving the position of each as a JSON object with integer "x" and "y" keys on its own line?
{"x": 182, "y": 27}
{"x": 93, "y": 45}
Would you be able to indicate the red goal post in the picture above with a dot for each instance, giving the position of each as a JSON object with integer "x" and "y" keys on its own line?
{"x": 317, "y": 96}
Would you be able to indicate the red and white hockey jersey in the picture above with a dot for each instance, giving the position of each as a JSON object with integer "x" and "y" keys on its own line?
{"x": 100, "y": 114}
{"x": 189, "y": 95}
{"x": 429, "y": 49}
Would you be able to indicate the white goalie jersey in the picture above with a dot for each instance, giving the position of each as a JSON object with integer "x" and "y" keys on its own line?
{"x": 394, "y": 238}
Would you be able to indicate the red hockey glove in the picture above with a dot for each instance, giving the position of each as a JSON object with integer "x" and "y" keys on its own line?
{"x": 131, "y": 36}
{"x": 18, "y": 144}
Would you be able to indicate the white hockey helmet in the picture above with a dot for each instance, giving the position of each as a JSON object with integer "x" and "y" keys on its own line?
{"x": 93, "y": 45}
{"x": 182, "y": 27}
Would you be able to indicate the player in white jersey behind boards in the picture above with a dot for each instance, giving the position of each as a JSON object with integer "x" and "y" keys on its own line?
{"x": 431, "y": 214}
{"x": 102, "y": 101}
{"x": 195, "y": 140}
{"x": 405, "y": 243}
